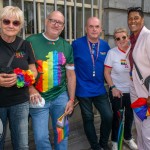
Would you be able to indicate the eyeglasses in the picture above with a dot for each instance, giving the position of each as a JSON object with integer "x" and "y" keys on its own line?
{"x": 130, "y": 9}
{"x": 53, "y": 22}
{"x": 16, "y": 23}
{"x": 119, "y": 38}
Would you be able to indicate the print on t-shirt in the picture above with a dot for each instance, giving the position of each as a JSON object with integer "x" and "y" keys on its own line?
{"x": 50, "y": 71}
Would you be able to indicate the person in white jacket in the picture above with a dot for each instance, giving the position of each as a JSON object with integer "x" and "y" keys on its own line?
{"x": 140, "y": 53}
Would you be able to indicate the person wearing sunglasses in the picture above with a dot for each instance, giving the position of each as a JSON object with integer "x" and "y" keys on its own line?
{"x": 14, "y": 99}
{"x": 55, "y": 83}
{"x": 118, "y": 78}
{"x": 140, "y": 55}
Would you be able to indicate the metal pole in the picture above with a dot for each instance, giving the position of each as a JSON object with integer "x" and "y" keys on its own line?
{"x": 55, "y": 4}
{"x": 83, "y": 18}
{"x": 92, "y": 8}
{"x": 10, "y": 2}
{"x": 75, "y": 19}
{"x": 24, "y": 26}
{"x": 65, "y": 12}
{"x": 34, "y": 15}
{"x": 45, "y": 15}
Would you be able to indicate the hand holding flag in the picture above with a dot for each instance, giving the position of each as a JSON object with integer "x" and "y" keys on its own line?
{"x": 63, "y": 126}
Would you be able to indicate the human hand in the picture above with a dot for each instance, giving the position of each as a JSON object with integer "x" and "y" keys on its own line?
{"x": 8, "y": 80}
{"x": 35, "y": 96}
{"x": 116, "y": 93}
{"x": 69, "y": 107}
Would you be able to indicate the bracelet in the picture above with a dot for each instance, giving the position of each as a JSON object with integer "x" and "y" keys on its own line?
{"x": 72, "y": 100}
{"x": 113, "y": 86}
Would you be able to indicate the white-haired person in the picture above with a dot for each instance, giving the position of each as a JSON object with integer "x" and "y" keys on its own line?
{"x": 14, "y": 92}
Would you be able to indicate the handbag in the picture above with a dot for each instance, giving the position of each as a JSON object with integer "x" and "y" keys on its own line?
{"x": 146, "y": 82}
{"x": 8, "y": 69}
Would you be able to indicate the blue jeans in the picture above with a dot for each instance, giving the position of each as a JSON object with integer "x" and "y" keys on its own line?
{"x": 18, "y": 124}
{"x": 102, "y": 104}
{"x": 40, "y": 123}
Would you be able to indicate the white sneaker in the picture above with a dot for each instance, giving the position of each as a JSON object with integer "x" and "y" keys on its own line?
{"x": 114, "y": 146}
{"x": 131, "y": 144}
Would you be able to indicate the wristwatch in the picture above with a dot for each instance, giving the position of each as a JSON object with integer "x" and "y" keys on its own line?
{"x": 113, "y": 86}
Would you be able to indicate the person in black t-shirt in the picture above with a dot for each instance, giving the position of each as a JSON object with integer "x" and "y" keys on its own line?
{"x": 14, "y": 94}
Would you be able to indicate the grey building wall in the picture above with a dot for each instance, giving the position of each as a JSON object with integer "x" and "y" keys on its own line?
{"x": 115, "y": 15}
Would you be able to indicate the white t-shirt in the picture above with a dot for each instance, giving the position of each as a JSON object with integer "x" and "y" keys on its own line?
{"x": 120, "y": 74}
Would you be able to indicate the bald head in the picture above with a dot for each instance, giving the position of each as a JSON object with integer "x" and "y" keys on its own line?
{"x": 89, "y": 20}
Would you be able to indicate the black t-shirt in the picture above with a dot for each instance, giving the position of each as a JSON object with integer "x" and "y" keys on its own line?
{"x": 23, "y": 57}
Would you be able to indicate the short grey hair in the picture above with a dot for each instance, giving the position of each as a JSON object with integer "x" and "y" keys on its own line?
{"x": 119, "y": 30}
{"x": 11, "y": 11}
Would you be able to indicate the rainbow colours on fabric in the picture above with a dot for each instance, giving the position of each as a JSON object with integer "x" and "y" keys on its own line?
{"x": 121, "y": 129}
{"x": 140, "y": 108}
{"x": 62, "y": 128}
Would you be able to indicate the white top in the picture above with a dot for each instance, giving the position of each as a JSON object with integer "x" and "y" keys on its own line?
{"x": 120, "y": 74}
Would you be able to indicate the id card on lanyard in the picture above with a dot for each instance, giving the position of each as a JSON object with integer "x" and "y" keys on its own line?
{"x": 92, "y": 55}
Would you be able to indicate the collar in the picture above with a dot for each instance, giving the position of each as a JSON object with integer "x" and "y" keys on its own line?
{"x": 49, "y": 38}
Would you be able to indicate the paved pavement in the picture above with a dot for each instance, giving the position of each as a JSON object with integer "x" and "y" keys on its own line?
{"x": 77, "y": 138}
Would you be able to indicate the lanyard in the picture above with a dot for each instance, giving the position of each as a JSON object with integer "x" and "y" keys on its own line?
{"x": 92, "y": 55}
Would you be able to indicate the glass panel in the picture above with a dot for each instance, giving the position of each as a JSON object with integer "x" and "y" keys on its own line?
{"x": 13, "y": 3}
{"x": 5, "y": 3}
{"x": 95, "y": 2}
{"x": 29, "y": 21}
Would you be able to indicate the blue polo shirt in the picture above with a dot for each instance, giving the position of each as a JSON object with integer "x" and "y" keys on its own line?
{"x": 87, "y": 84}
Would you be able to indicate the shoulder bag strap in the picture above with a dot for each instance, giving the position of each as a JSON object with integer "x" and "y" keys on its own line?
{"x": 138, "y": 71}
{"x": 12, "y": 57}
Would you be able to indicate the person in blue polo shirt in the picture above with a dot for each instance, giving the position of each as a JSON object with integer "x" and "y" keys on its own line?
{"x": 89, "y": 55}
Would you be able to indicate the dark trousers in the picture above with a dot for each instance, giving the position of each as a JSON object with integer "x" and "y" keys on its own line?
{"x": 102, "y": 104}
{"x": 125, "y": 103}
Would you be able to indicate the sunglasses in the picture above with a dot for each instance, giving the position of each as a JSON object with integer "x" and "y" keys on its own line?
{"x": 16, "y": 23}
{"x": 119, "y": 38}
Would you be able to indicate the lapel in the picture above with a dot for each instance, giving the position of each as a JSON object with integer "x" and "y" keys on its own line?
{"x": 140, "y": 37}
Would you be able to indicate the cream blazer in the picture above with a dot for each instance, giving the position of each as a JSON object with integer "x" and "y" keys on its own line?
{"x": 141, "y": 56}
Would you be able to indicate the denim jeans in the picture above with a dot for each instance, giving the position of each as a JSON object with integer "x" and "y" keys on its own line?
{"x": 17, "y": 116}
{"x": 117, "y": 104}
{"x": 102, "y": 104}
{"x": 40, "y": 123}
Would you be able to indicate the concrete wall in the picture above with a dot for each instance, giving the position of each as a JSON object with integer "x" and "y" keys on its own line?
{"x": 115, "y": 15}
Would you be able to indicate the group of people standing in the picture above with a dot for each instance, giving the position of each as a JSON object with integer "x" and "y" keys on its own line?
{"x": 63, "y": 71}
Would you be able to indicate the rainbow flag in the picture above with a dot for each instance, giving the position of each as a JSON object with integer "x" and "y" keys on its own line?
{"x": 62, "y": 128}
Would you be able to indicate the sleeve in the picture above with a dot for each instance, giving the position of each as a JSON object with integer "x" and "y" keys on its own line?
{"x": 31, "y": 57}
{"x": 109, "y": 59}
{"x": 69, "y": 50}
